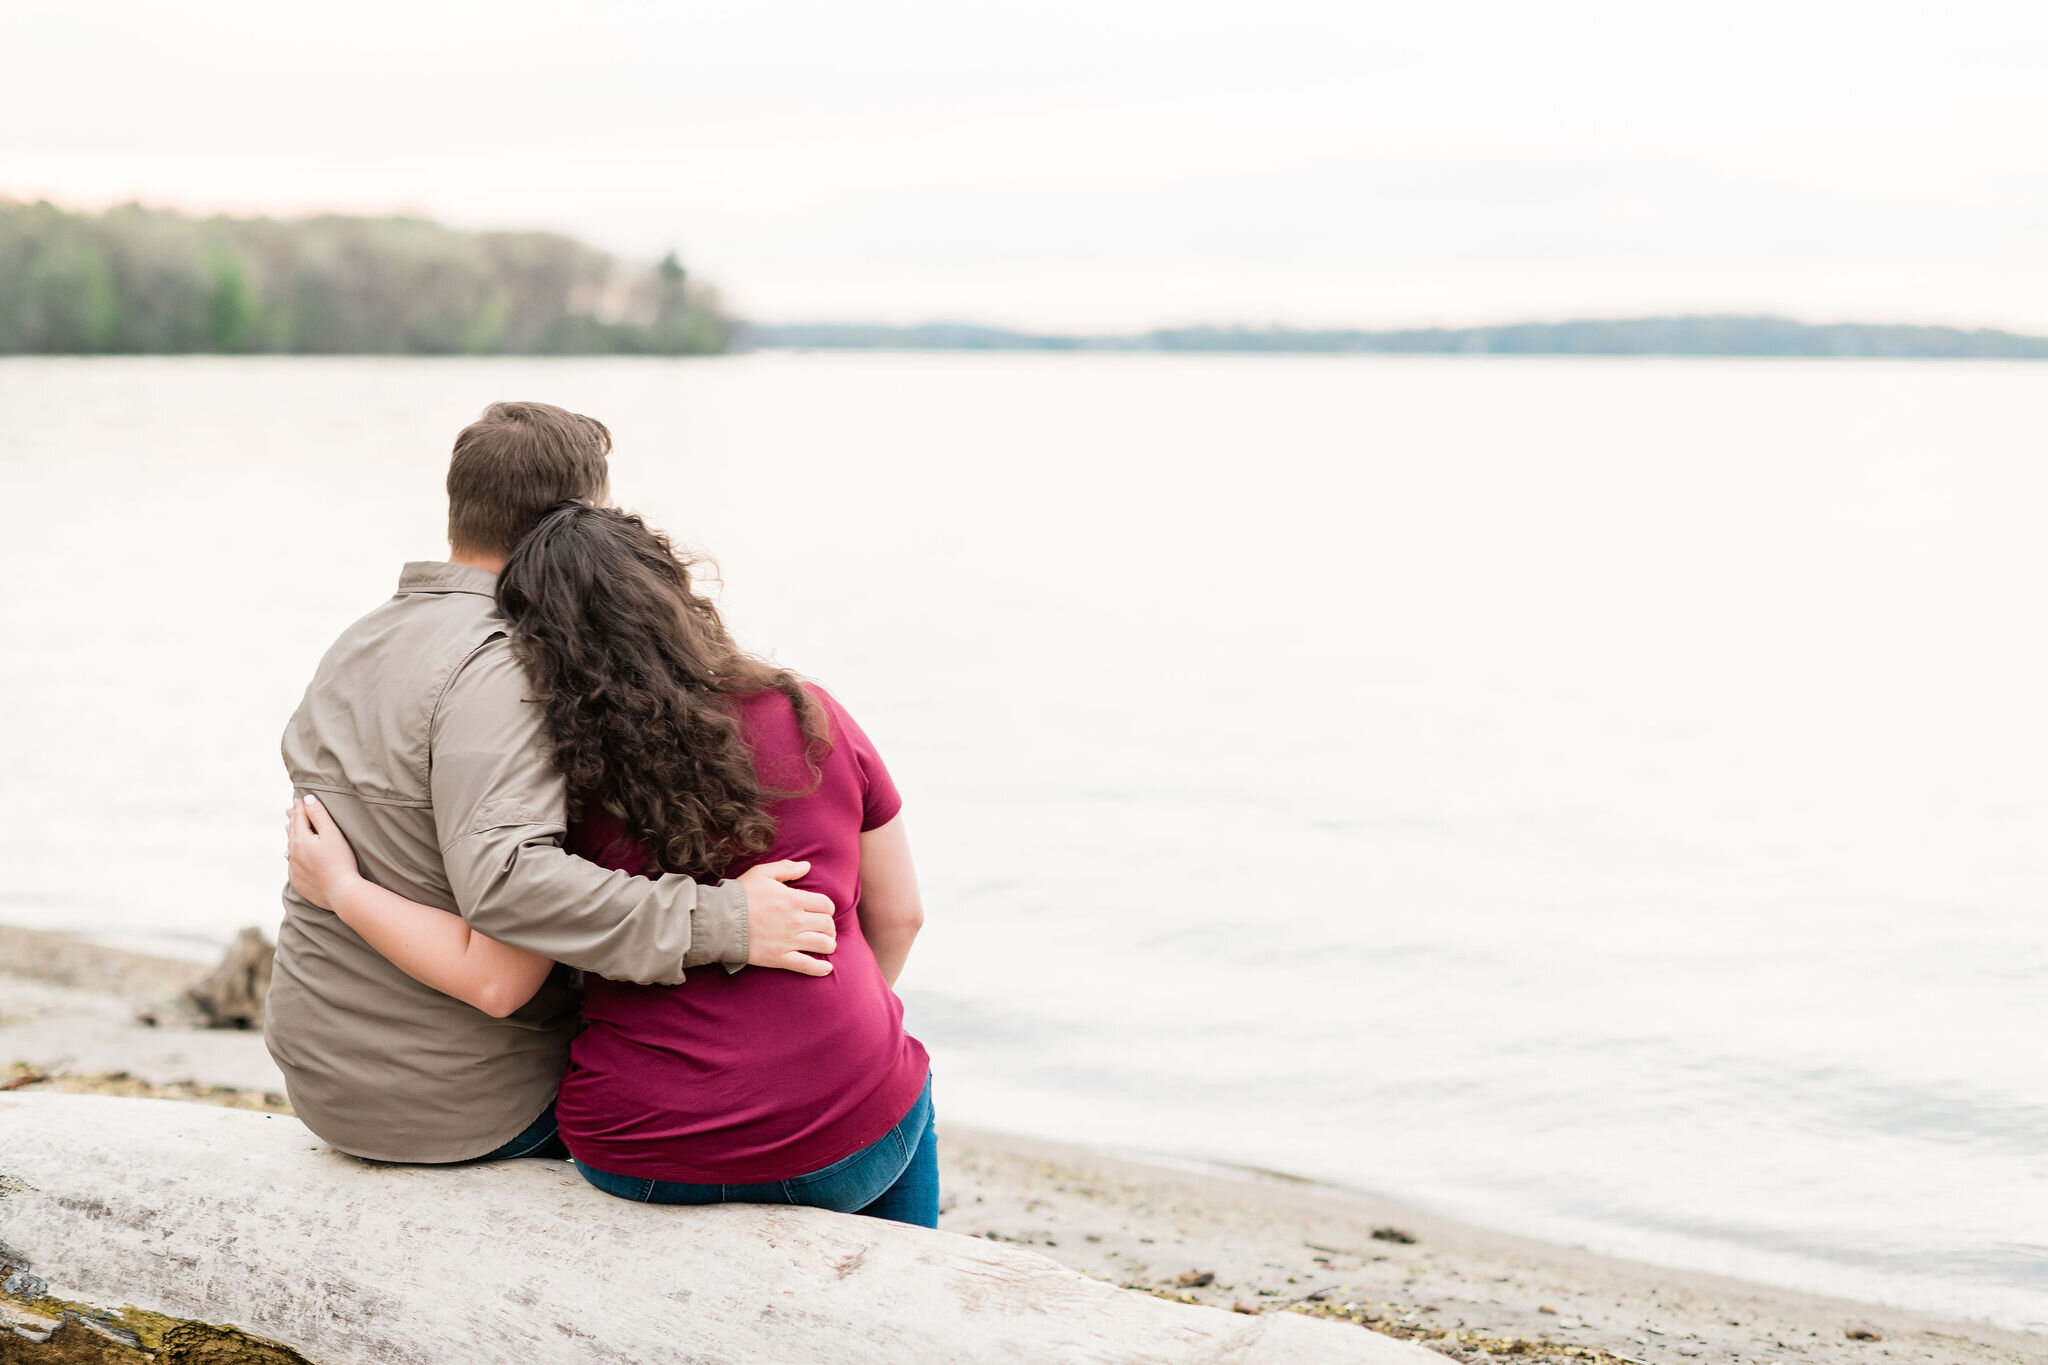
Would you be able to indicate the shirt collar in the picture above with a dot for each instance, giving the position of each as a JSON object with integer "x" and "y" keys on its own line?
{"x": 434, "y": 575}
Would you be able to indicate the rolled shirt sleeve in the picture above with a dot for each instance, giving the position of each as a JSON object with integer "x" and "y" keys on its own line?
{"x": 500, "y": 814}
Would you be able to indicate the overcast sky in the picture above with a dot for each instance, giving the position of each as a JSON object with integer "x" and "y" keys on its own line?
{"x": 1109, "y": 164}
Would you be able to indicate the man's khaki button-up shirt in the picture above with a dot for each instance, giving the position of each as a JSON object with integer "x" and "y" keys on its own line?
{"x": 418, "y": 735}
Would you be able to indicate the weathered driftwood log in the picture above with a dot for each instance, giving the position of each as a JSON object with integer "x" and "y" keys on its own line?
{"x": 233, "y": 994}
{"x": 202, "y": 1234}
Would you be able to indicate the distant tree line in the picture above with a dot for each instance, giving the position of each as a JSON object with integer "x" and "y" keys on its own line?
{"x": 138, "y": 281}
{"x": 1706, "y": 335}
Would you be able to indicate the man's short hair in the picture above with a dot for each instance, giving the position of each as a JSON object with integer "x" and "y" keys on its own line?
{"x": 515, "y": 462}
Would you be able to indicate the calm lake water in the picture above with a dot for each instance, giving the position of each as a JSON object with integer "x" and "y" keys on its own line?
{"x": 1603, "y": 799}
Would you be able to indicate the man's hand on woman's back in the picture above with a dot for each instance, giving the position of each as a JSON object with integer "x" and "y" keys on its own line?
{"x": 786, "y": 925}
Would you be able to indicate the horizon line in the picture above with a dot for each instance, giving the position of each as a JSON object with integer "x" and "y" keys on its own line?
{"x": 1680, "y": 334}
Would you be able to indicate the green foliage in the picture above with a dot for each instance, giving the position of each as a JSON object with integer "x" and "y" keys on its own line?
{"x": 60, "y": 292}
{"x": 133, "y": 280}
{"x": 231, "y": 309}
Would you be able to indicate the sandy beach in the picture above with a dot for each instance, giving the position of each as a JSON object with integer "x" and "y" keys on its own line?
{"x": 1258, "y": 1242}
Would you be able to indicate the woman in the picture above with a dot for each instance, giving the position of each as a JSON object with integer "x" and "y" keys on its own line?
{"x": 682, "y": 753}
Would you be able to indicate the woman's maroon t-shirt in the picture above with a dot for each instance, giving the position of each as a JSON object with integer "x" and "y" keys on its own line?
{"x": 763, "y": 1074}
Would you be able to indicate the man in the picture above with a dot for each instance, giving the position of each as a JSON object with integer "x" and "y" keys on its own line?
{"x": 417, "y": 735}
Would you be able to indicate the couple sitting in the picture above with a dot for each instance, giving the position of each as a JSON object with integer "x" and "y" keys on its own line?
{"x": 547, "y": 759}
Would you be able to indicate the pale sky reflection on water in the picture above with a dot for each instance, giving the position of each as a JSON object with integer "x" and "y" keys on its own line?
{"x": 1601, "y": 798}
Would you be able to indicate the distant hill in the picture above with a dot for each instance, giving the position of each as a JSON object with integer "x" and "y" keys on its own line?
{"x": 140, "y": 281}
{"x": 1704, "y": 335}
{"x": 135, "y": 281}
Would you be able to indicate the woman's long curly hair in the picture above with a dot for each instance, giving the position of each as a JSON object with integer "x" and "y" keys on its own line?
{"x": 639, "y": 676}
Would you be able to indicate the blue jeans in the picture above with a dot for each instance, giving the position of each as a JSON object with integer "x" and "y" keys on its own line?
{"x": 542, "y": 1138}
{"x": 895, "y": 1178}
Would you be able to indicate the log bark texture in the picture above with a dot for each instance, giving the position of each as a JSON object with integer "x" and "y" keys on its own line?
{"x": 145, "y": 1223}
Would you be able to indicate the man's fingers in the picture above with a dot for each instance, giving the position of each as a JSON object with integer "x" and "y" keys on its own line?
{"x": 790, "y": 927}
{"x": 810, "y": 931}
